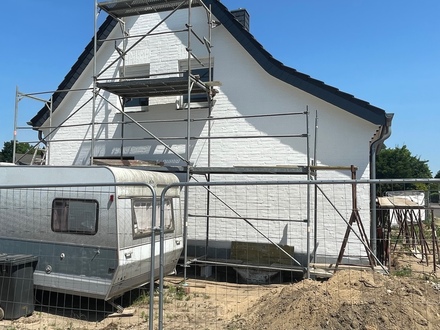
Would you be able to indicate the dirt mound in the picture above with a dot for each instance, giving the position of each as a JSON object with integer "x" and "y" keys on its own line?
{"x": 349, "y": 300}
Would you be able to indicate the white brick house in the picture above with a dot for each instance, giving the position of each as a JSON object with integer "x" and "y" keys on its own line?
{"x": 252, "y": 83}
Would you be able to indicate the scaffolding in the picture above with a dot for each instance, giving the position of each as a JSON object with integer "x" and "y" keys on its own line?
{"x": 161, "y": 84}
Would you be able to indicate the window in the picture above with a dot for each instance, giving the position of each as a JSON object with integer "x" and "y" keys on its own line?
{"x": 137, "y": 71}
{"x": 202, "y": 71}
{"x": 136, "y": 102}
{"x": 142, "y": 217}
{"x": 75, "y": 216}
{"x": 203, "y": 74}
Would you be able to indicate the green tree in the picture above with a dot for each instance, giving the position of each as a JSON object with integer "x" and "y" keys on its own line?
{"x": 399, "y": 163}
{"x": 434, "y": 190}
{"x": 8, "y": 147}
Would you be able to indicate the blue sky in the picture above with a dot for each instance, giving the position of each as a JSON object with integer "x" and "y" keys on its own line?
{"x": 384, "y": 52}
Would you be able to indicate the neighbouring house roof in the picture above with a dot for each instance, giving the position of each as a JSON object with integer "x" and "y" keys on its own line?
{"x": 274, "y": 67}
{"x": 29, "y": 159}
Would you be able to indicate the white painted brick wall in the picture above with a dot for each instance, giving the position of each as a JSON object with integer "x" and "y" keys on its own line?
{"x": 247, "y": 89}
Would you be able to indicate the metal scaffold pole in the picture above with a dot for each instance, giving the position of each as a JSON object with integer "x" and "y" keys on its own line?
{"x": 17, "y": 99}
{"x": 308, "y": 194}
{"x": 95, "y": 45}
{"x": 315, "y": 196}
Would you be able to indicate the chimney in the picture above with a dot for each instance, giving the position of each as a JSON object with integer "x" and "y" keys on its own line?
{"x": 242, "y": 16}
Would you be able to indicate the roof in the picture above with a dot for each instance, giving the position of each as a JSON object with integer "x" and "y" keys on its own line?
{"x": 75, "y": 72}
{"x": 274, "y": 67}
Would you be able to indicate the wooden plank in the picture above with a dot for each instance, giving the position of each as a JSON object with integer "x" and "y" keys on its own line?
{"x": 124, "y": 162}
{"x": 397, "y": 202}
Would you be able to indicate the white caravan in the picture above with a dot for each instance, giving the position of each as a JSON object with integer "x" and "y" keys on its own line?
{"x": 91, "y": 233}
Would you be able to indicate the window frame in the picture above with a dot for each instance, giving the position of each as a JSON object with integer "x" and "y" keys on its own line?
{"x": 147, "y": 231}
{"x": 62, "y": 215}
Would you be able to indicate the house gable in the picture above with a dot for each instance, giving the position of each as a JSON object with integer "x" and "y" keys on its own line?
{"x": 275, "y": 68}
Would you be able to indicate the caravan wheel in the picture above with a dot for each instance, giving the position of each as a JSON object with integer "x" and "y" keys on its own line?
{"x": 2, "y": 313}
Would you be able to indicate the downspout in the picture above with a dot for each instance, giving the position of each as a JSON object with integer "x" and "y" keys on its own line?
{"x": 385, "y": 134}
{"x": 43, "y": 142}
{"x": 41, "y": 138}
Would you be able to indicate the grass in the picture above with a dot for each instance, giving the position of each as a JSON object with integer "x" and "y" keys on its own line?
{"x": 203, "y": 295}
{"x": 405, "y": 271}
{"x": 175, "y": 293}
{"x": 144, "y": 316}
{"x": 144, "y": 298}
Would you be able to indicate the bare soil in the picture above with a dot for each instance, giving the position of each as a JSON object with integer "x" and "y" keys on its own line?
{"x": 351, "y": 299}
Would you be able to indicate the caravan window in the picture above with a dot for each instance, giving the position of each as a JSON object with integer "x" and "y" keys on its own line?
{"x": 143, "y": 217}
{"x": 75, "y": 216}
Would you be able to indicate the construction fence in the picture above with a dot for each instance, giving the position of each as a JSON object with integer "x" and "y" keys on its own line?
{"x": 275, "y": 254}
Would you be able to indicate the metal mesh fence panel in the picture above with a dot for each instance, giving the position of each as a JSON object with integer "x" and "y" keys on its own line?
{"x": 274, "y": 255}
